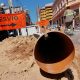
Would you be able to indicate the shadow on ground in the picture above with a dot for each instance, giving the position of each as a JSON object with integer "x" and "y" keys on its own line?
{"x": 67, "y": 74}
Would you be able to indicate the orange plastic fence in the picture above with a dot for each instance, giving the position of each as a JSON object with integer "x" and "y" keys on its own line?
{"x": 43, "y": 23}
{"x": 12, "y": 21}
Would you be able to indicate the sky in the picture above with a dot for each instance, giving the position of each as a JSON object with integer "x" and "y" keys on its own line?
{"x": 31, "y": 5}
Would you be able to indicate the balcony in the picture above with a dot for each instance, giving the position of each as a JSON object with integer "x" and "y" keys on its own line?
{"x": 72, "y": 2}
{"x": 69, "y": 3}
{"x": 59, "y": 11}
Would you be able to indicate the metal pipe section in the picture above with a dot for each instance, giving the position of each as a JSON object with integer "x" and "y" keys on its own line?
{"x": 54, "y": 53}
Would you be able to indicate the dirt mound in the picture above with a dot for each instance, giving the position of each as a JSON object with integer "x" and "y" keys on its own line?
{"x": 17, "y": 61}
{"x": 18, "y": 47}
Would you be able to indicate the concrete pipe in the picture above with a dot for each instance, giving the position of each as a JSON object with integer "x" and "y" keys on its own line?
{"x": 54, "y": 53}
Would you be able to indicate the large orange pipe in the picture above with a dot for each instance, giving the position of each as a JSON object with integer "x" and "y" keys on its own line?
{"x": 54, "y": 53}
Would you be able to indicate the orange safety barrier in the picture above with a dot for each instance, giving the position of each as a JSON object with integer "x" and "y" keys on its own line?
{"x": 43, "y": 23}
{"x": 12, "y": 21}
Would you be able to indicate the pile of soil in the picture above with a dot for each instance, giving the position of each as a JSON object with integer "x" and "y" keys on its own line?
{"x": 17, "y": 61}
{"x": 19, "y": 47}
{"x": 16, "y": 57}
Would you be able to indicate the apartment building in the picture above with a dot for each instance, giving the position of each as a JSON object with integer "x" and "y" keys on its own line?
{"x": 46, "y": 12}
{"x": 42, "y": 14}
{"x": 59, "y": 7}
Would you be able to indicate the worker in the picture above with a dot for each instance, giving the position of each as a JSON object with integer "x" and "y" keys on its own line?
{"x": 69, "y": 15}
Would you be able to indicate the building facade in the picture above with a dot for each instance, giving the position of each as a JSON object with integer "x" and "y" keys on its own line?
{"x": 60, "y": 6}
{"x": 46, "y": 12}
{"x": 42, "y": 14}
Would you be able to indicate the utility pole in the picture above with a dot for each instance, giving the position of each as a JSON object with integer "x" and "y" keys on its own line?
{"x": 10, "y": 3}
{"x": 38, "y": 13}
{"x": 38, "y": 17}
{"x": 10, "y": 6}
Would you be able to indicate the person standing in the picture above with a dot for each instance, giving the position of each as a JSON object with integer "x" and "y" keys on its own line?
{"x": 69, "y": 15}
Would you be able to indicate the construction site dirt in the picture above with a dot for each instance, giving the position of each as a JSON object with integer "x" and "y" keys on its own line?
{"x": 17, "y": 60}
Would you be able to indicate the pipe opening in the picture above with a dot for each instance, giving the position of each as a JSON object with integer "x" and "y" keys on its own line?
{"x": 56, "y": 47}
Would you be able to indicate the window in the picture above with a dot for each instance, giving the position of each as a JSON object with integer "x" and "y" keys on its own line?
{"x": 67, "y": 1}
{"x": 62, "y": 19}
{"x": 57, "y": 8}
{"x": 60, "y": 6}
{"x": 63, "y": 2}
